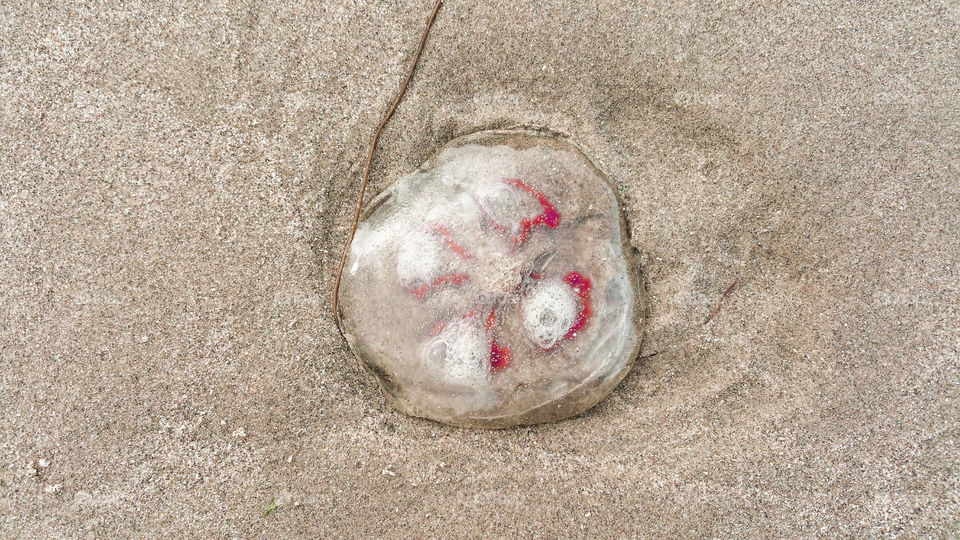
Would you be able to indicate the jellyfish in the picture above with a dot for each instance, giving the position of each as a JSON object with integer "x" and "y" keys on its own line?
{"x": 495, "y": 286}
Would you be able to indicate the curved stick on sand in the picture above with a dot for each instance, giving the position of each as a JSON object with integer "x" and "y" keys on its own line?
{"x": 366, "y": 169}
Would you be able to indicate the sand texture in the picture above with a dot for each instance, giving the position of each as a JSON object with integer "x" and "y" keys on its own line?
{"x": 176, "y": 181}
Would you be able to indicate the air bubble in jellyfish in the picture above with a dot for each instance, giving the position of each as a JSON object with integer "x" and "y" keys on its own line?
{"x": 495, "y": 286}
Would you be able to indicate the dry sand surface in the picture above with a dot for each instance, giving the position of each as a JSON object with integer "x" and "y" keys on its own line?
{"x": 176, "y": 182}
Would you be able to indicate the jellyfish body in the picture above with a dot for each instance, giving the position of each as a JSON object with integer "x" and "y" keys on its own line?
{"x": 495, "y": 286}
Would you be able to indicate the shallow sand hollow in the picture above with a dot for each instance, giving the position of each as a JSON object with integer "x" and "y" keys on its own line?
{"x": 175, "y": 185}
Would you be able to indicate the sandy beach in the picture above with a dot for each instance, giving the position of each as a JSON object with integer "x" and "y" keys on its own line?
{"x": 177, "y": 181}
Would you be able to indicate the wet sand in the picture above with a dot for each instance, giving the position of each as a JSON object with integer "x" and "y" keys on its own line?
{"x": 176, "y": 183}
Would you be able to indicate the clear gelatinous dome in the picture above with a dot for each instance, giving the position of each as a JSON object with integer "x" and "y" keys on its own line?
{"x": 495, "y": 286}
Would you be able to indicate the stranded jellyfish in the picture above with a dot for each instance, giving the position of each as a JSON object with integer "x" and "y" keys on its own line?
{"x": 495, "y": 285}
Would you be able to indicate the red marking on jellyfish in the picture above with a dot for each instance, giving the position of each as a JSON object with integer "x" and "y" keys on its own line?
{"x": 422, "y": 290}
{"x": 491, "y": 318}
{"x": 499, "y": 356}
{"x": 581, "y": 286}
{"x": 548, "y": 216}
{"x": 436, "y": 328}
{"x": 493, "y": 223}
{"x": 448, "y": 240}
{"x": 440, "y": 324}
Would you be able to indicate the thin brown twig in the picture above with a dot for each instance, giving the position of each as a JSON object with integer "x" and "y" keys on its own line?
{"x": 366, "y": 169}
{"x": 723, "y": 297}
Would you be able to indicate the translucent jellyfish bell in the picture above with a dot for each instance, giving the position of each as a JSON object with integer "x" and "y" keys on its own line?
{"x": 495, "y": 286}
